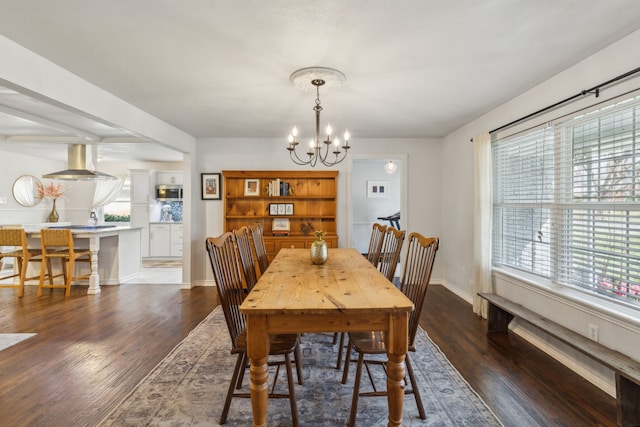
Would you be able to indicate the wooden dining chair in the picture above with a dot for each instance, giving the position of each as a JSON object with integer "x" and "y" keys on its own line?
{"x": 257, "y": 235}
{"x": 57, "y": 243}
{"x": 247, "y": 262}
{"x": 16, "y": 240}
{"x": 225, "y": 264}
{"x": 390, "y": 253}
{"x": 418, "y": 265}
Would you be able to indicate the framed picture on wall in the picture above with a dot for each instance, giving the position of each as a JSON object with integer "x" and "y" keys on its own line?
{"x": 251, "y": 187}
{"x": 378, "y": 189}
{"x": 211, "y": 186}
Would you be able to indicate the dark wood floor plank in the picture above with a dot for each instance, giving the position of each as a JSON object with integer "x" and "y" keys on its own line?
{"x": 91, "y": 351}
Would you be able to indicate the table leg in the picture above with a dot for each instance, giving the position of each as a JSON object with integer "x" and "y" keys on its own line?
{"x": 258, "y": 352}
{"x": 397, "y": 344}
{"x": 94, "y": 278}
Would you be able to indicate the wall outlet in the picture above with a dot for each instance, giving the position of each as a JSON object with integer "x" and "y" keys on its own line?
{"x": 593, "y": 332}
{"x": 3, "y": 200}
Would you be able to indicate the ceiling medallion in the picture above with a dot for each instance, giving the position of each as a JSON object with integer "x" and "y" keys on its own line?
{"x": 308, "y": 79}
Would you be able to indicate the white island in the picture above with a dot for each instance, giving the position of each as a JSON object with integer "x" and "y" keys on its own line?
{"x": 115, "y": 251}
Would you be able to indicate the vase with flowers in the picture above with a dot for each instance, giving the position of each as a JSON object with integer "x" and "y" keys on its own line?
{"x": 52, "y": 192}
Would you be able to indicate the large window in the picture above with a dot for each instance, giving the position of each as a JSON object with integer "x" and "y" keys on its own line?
{"x": 567, "y": 202}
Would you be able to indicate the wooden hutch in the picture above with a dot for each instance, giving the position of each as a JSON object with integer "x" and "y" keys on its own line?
{"x": 291, "y": 205}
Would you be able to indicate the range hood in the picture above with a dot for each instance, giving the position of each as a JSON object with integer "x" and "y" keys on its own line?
{"x": 77, "y": 164}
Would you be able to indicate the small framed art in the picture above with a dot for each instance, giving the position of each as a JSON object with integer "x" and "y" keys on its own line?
{"x": 288, "y": 209}
{"x": 280, "y": 224}
{"x": 251, "y": 187}
{"x": 378, "y": 189}
{"x": 211, "y": 186}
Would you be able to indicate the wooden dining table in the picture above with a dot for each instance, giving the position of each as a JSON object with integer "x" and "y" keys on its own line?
{"x": 345, "y": 294}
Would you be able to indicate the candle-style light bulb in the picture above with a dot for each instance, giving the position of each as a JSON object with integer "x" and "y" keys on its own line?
{"x": 290, "y": 138}
{"x": 337, "y": 142}
{"x": 346, "y": 136}
{"x": 294, "y": 132}
{"x": 329, "y": 130}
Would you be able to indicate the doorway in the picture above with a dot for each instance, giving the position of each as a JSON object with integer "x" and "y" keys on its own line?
{"x": 373, "y": 194}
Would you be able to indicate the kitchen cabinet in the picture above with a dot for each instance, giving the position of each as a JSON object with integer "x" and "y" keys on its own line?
{"x": 140, "y": 218}
{"x": 169, "y": 178}
{"x": 140, "y": 185}
{"x": 165, "y": 240}
{"x": 140, "y": 198}
{"x": 176, "y": 240}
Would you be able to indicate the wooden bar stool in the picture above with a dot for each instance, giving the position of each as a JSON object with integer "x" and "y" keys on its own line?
{"x": 17, "y": 239}
{"x": 58, "y": 244}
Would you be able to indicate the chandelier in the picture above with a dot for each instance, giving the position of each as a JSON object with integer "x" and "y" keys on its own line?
{"x": 318, "y": 76}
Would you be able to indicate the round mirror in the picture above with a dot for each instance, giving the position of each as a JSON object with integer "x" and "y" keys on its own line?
{"x": 25, "y": 190}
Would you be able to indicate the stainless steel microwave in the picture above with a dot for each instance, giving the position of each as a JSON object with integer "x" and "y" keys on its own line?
{"x": 169, "y": 193}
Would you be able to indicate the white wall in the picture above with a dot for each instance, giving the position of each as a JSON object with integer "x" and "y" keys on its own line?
{"x": 618, "y": 329}
{"x": 423, "y": 187}
{"x": 13, "y": 166}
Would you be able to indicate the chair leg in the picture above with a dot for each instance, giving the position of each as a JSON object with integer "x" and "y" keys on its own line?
{"x": 22, "y": 265}
{"x": 42, "y": 267}
{"x": 298, "y": 361}
{"x": 347, "y": 360}
{"x": 69, "y": 278}
{"x": 356, "y": 391}
{"x": 292, "y": 391}
{"x": 340, "y": 350}
{"x": 414, "y": 387}
{"x": 245, "y": 365}
{"x": 234, "y": 379}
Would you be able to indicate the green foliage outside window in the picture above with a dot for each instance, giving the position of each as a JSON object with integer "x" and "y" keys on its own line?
{"x": 117, "y": 218}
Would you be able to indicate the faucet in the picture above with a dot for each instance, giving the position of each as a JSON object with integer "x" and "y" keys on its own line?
{"x": 93, "y": 219}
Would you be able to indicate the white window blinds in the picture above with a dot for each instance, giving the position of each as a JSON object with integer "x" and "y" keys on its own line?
{"x": 567, "y": 202}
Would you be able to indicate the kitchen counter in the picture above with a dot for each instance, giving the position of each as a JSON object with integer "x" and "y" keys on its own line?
{"x": 112, "y": 263}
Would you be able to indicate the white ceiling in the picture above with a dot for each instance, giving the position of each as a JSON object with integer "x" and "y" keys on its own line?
{"x": 220, "y": 68}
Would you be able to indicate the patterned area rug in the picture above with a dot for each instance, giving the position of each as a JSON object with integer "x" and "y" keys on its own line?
{"x": 188, "y": 388}
{"x": 7, "y": 340}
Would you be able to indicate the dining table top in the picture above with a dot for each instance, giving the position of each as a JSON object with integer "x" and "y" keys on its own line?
{"x": 346, "y": 282}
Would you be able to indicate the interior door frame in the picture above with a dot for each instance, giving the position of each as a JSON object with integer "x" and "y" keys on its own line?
{"x": 404, "y": 212}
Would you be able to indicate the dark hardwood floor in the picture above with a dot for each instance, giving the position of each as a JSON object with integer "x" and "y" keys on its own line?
{"x": 91, "y": 350}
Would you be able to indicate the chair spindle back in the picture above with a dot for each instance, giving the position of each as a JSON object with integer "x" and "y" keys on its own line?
{"x": 391, "y": 248}
{"x": 243, "y": 241}
{"x": 375, "y": 243}
{"x": 257, "y": 235}
{"x": 421, "y": 254}
{"x": 226, "y": 271}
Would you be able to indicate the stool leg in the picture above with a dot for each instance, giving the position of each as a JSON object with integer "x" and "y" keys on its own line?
{"x": 45, "y": 260}
{"x": 69, "y": 278}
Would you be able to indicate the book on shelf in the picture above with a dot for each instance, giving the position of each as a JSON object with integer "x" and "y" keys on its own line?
{"x": 280, "y": 233}
{"x": 278, "y": 188}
